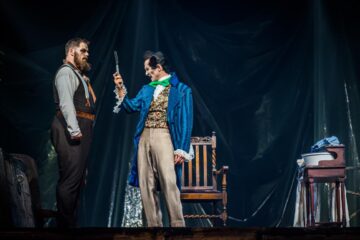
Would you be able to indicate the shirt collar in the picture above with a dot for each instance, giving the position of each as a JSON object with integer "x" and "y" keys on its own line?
{"x": 164, "y": 77}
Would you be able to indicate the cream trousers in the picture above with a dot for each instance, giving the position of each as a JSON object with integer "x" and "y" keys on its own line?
{"x": 156, "y": 167}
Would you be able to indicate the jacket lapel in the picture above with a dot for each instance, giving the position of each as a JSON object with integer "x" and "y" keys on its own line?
{"x": 174, "y": 98}
{"x": 174, "y": 95}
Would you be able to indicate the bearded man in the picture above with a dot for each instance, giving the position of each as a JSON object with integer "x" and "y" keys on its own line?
{"x": 71, "y": 129}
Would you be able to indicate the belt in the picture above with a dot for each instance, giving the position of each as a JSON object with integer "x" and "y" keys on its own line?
{"x": 80, "y": 115}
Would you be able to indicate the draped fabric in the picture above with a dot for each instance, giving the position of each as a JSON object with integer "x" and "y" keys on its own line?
{"x": 270, "y": 77}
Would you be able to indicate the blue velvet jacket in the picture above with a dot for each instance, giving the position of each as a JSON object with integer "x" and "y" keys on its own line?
{"x": 179, "y": 117}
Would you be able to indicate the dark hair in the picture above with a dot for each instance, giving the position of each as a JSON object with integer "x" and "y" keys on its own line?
{"x": 74, "y": 42}
{"x": 156, "y": 58}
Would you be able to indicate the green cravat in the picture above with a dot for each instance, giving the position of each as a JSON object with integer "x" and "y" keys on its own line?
{"x": 164, "y": 82}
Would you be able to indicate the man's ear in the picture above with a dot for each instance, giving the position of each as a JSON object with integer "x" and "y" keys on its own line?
{"x": 72, "y": 51}
{"x": 160, "y": 67}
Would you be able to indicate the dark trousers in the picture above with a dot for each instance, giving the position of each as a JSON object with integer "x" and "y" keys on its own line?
{"x": 72, "y": 156}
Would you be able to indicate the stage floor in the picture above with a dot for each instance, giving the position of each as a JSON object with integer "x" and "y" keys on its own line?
{"x": 182, "y": 233}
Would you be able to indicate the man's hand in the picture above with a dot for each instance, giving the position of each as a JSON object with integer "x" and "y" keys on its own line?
{"x": 178, "y": 159}
{"x": 119, "y": 84}
{"x": 118, "y": 80}
{"x": 77, "y": 137}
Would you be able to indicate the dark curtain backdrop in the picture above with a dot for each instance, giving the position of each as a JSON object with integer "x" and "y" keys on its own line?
{"x": 270, "y": 77}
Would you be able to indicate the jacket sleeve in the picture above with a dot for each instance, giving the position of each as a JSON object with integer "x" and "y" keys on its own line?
{"x": 134, "y": 104}
{"x": 186, "y": 120}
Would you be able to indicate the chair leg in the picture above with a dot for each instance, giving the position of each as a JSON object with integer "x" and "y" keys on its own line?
{"x": 343, "y": 203}
{"x": 224, "y": 214}
{"x": 214, "y": 211}
{"x": 312, "y": 207}
{"x": 337, "y": 192}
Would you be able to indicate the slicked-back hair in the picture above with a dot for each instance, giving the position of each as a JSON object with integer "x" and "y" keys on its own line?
{"x": 156, "y": 58}
{"x": 75, "y": 42}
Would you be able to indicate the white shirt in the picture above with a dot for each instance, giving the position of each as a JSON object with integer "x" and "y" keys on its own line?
{"x": 66, "y": 82}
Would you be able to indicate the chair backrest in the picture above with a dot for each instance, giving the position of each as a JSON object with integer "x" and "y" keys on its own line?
{"x": 199, "y": 174}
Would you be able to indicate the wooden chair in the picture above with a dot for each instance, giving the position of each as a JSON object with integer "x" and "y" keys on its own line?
{"x": 199, "y": 179}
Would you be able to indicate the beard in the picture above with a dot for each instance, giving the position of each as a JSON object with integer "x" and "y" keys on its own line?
{"x": 81, "y": 64}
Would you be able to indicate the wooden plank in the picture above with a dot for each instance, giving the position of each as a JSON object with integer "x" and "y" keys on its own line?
{"x": 190, "y": 173}
{"x": 201, "y": 196}
{"x": 205, "y": 164}
{"x": 197, "y": 166}
{"x": 183, "y": 174}
{"x": 194, "y": 188}
{"x": 201, "y": 143}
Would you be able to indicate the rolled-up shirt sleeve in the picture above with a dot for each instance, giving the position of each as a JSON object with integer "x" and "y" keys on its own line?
{"x": 66, "y": 83}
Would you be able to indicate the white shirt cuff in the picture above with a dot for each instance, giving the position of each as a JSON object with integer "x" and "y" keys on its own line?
{"x": 187, "y": 156}
{"x": 119, "y": 99}
{"x": 74, "y": 133}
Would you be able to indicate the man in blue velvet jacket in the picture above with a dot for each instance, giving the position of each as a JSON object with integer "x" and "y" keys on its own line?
{"x": 162, "y": 138}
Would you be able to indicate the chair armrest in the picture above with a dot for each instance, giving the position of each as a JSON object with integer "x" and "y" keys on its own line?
{"x": 223, "y": 170}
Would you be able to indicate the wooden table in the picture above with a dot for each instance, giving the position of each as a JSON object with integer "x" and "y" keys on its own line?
{"x": 328, "y": 171}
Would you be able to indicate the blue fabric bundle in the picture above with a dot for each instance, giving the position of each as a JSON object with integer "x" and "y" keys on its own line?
{"x": 320, "y": 145}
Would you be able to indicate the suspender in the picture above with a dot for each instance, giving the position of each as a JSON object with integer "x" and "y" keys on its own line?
{"x": 81, "y": 79}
